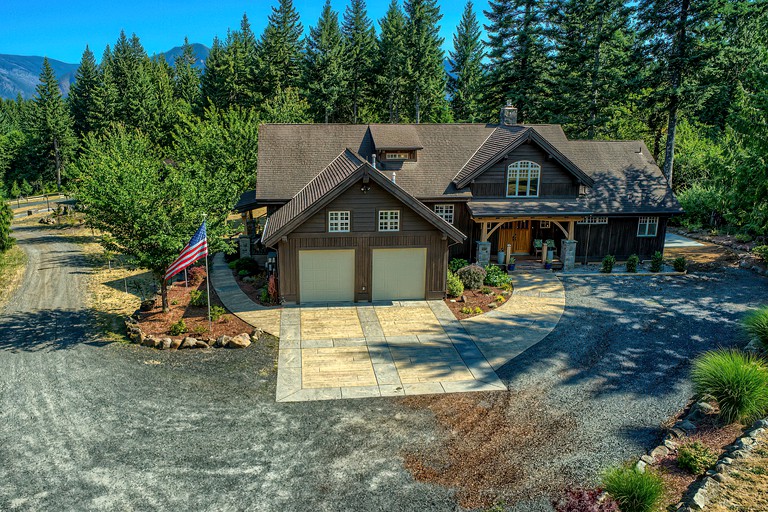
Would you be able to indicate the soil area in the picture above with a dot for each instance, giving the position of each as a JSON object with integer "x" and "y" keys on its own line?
{"x": 253, "y": 289}
{"x": 473, "y": 299}
{"x": 721, "y": 250}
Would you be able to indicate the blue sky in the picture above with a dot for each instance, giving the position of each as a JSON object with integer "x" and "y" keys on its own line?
{"x": 61, "y": 29}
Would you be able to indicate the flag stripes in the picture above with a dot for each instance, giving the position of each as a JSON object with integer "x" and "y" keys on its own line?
{"x": 196, "y": 248}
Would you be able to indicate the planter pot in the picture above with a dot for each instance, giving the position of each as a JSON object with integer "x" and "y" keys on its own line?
{"x": 547, "y": 266}
{"x": 501, "y": 256}
{"x": 511, "y": 267}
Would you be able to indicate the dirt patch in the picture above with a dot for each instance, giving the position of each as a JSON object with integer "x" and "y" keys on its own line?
{"x": 716, "y": 252}
{"x": 490, "y": 445}
{"x": 254, "y": 289}
{"x": 12, "y": 264}
{"x": 746, "y": 488}
{"x": 475, "y": 299}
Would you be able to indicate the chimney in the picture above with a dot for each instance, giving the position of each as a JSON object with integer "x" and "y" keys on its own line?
{"x": 394, "y": 178}
{"x": 508, "y": 114}
{"x": 373, "y": 157}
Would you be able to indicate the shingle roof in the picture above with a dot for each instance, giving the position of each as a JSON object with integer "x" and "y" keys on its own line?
{"x": 394, "y": 136}
{"x": 247, "y": 201}
{"x": 494, "y": 145}
{"x": 504, "y": 207}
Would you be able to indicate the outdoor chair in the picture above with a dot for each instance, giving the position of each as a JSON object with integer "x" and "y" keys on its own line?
{"x": 551, "y": 246}
{"x": 537, "y": 243}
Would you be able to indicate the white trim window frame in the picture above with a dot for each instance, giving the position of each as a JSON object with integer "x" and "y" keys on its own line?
{"x": 593, "y": 219}
{"x": 445, "y": 212}
{"x": 647, "y": 227}
{"x": 396, "y": 155}
{"x": 545, "y": 224}
{"x": 523, "y": 179}
{"x": 389, "y": 220}
{"x": 339, "y": 221}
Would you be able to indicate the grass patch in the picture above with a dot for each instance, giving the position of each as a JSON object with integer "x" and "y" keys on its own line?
{"x": 747, "y": 488}
{"x": 12, "y": 264}
{"x": 634, "y": 491}
{"x": 756, "y": 324}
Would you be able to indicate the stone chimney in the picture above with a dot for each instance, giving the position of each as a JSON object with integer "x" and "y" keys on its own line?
{"x": 508, "y": 114}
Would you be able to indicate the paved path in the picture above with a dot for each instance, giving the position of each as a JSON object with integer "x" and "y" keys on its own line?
{"x": 673, "y": 240}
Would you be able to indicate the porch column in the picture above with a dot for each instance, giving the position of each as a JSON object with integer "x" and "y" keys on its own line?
{"x": 571, "y": 229}
{"x": 568, "y": 253}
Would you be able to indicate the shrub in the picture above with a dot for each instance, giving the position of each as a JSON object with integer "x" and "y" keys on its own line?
{"x": 738, "y": 381}
{"x": 177, "y": 328}
{"x": 200, "y": 329}
{"x": 657, "y": 260}
{"x": 495, "y": 276}
{"x": 585, "y": 500}
{"x": 499, "y": 299}
{"x": 485, "y": 290}
{"x": 248, "y": 264}
{"x": 700, "y": 203}
{"x": 632, "y": 263}
{"x": 264, "y": 296}
{"x": 695, "y": 457}
{"x": 196, "y": 275}
{"x": 472, "y": 276}
{"x": 756, "y": 324}
{"x": 743, "y": 238}
{"x": 761, "y": 251}
{"x": 680, "y": 264}
{"x": 243, "y": 273}
{"x": 217, "y": 312}
{"x": 457, "y": 263}
{"x": 471, "y": 311}
{"x": 455, "y": 286}
{"x": 608, "y": 263}
{"x": 507, "y": 287}
{"x": 634, "y": 491}
{"x": 198, "y": 298}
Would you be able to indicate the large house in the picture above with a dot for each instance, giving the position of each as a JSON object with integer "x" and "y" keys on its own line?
{"x": 374, "y": 212}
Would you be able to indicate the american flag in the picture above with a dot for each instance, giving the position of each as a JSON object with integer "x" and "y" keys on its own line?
{"x": 196, "y": 248}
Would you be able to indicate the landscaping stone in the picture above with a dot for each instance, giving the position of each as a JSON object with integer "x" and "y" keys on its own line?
{"x": 640, "y": 466}
{"x": 671, "y": 445}
{"x": 223, "y": 340}
{"x": 677, "y": 433}
{"x": 188, "y": 342}
{"x": 240, "y": 341}
{"x": 686, "y": 425}
{"x": 659, "y": 452}
{"x": 175, "y": 344}
{"x": 648, "y": 460}
{"x": 165, "y": 344}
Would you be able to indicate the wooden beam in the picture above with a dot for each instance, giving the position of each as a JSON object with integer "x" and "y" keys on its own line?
{"x": 571, "y": 229}
{"x": 497, "y": 226}
{"x": 557, "y": 223}
{"x": 484, "y": 232}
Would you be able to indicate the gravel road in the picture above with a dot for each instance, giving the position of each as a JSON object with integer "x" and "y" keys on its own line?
{"x": 92, "y": 426}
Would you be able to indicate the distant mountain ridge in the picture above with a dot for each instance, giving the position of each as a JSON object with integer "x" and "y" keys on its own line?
{"x": 19, "y": 73}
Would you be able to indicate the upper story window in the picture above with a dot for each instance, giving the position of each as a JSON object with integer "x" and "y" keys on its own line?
{"x": 592, "y": 219}
{"x": 397, "y": 155}
{"x": 523, "y": 179}
{"x": 338, "y": 222}
{"x": 389, "y": 220}
{"x": 648, "y": 226}
{"x": 445, "y": 211}
{"x": 544, "y": 224}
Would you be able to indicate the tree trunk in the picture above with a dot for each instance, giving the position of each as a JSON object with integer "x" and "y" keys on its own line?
{"x": 595, "y": 73}
{"x": 680, "y": 52}
{"x": 669, "y": 150}
{"x": 57, "y": 156}
{"x": 164, "y": 294}
{"x": 418, "y": 107}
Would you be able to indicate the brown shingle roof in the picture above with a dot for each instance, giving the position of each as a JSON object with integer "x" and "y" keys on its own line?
{"x": 395, "y": 136}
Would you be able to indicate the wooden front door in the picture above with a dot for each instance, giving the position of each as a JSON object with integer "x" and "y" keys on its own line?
{"x": 518, "y": 234}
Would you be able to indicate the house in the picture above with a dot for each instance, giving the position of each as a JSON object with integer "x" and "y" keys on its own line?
{"x": 374, "y": 212}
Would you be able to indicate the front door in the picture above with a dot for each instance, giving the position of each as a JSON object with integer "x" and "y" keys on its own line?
{"x": 518, "y": 235}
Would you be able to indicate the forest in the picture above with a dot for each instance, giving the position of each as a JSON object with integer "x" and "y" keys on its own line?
{"x": 689, "y": 78}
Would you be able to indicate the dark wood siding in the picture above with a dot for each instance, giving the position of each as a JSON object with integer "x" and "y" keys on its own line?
{"x": 461, "y": 221}
{"x": 555, "y": 180}
{"x": 619, "y": 238}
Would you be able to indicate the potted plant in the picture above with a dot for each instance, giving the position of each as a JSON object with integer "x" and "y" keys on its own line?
{"x": 548, "y": 264}
{"x": 501, "y": 256}
{"x": 511, "y": 265}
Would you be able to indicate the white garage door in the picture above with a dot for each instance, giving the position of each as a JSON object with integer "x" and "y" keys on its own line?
{"x": 327, "y": 276}
{"x": 399, "y": 274}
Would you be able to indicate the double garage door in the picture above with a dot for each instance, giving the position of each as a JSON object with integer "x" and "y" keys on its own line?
{"x": 329, "y": 275}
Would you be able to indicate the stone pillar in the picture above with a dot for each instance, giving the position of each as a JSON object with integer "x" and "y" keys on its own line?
{"x": 245, "y": 246}
{"x": 483, "y": 254}
{"x": 568, "y": 254}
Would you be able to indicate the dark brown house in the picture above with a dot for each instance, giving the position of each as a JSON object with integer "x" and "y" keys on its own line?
{"x": 373, "y": 212}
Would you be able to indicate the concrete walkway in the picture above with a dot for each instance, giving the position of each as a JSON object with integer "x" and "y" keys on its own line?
{"x": 673, "y": 240}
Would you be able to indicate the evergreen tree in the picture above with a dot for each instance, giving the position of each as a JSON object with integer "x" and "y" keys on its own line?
{"x": 105, "y": 108}
{"x": 286, "y": 107}
{"x": 52, "y": 127}
{"x": 280, "y": 50}
{"x": 325, "y": 76}
{"x": 465, "y": 86}
{"x": 212, "y": 82}
{"x": 360, "y": 56}
{"x": 391, "y": 78}
{"x": 15, "y": 190}
{"x": 186, "y": 77}
{"x": 239, "y": 70}
{"x": 6, "y": 219}
{"x": 26, "y": 188}
{"x": 424, "y": 62}
{"x": 82, "y": 94}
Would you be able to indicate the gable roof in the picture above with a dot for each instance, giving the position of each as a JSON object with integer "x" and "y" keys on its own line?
{"x": 344, "y": 171}
{"x": 393, "y": 136}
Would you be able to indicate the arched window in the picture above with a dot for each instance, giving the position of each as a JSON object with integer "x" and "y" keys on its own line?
{"x": 523, "y": 179}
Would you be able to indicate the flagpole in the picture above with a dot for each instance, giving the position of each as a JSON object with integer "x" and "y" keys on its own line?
{"x": 208, "y": 281}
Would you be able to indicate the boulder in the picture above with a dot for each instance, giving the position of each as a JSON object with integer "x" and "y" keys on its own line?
{"x": 659, "y": 452}
{"x": 150, "y": 341}
{"x": 175, "y": 344}
{"x": 147, "y": 305}
{"x": 188, "y": 342}
{"x": 256, "y": 334}
{"x": 165, "y": 344}
{"x": 240, "y": 341}
{"x": 223, "y": 340}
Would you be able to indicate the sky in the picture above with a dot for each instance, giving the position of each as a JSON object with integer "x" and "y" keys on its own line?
{"x": 61, "y": 29}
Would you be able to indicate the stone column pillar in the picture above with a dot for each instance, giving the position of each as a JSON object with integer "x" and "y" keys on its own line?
{"x": 483, "y": 254}
{"x": 568, "y": 254}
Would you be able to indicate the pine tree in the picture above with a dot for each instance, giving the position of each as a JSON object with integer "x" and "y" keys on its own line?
{"x": 52, "y": 126}
{"x": 360, "y": 56}
{"x": 424, "y": 61}
{"x": 239, "y": 70}
{"x": 104, "y": 112}
{"x": 280, "y": 50}
{"x": 325, "y": 75}
{"x": 212, "y": 85}
{"x": 186, "y": 77}
{"x": 391, "y": 78}
{"x": 465, "y": 86}
{"x": 6, "y": 219}
{"x": 15, "y": 190}
{"x": 82, "y": 94}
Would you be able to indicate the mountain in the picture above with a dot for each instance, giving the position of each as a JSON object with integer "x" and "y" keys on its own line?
{"x": 19, "y": 74}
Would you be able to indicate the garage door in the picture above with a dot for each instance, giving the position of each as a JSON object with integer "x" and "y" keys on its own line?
{"x": 327, "y": 276}
{"x": 399, "y": 274}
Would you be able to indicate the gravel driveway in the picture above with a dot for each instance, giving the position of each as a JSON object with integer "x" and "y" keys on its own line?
{"x": 86, "y": 425}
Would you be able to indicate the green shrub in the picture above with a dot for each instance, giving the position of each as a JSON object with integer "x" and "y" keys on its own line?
{"x": 634, "y": 491}
{"x": 264, "y": 296}
{"x": 485, "y": 290}
{"x": 738, "y": 381}
{"x": 198, "y": 298}
{"x": 455, "y": 286}
{"x": 632, "y": 263}
{"x": 695, "y": 457}
{"x": 243, "y": 273}
{"x": 200, "y": 329}
{"x": 743, "y": 238}
{"x": 700, "y": 203}
{"x": 608, "y": 263}
{"x": 507, "y": 287}
{"x": 471, "y": 311}
{"x": 472, "y": 276}
{"x": 680, "y": 264}
{"x": 217, "y": 312}
{"x": 761, "y": 251}
{"x": 457, "y": 263}
{"x": 250, "y": 265}
{"x": 657, "y": 261}
{"x": 495, "y": 276}
{"x": 177, "y": 328}
{"x": 499, "y": 299}
{"x": 756, "y": 324}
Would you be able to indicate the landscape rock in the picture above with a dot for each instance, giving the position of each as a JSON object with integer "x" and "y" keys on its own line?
{"x": 165, "y": 344}
{"x": 659, "y": 452}
{"x": 150, "y": 341}
{"x": 147, "y": 305}
{"x": 175, "y": 344}
{"x": 223, "y": 340}
{"x": 240, "y": 341}
{"x": 761, "y": 424}
{"x": 671, "y": 445}
{"x": 640, "y": 466}
{"x": 648, "y": 459}
{"x": 256, "y": 334}
{"x": 188, "y": 342}
{"x": 686, "y": 425}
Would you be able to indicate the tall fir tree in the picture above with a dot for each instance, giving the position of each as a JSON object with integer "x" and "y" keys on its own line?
{"x": 186, "y": 76}
{"x": 104, "y": 112}
{"x": 82, "y": 94}
{"x": 325, "y": 76}
{"x": 424, "y": 62}
{"x": 466, "y": 83}
{"x": 212, "y": 81}
{"x": 391, "y": 79}
{"x": 239, "y": 68}
{"x": 360, "y": 57}
{"x": 280, "y": 51}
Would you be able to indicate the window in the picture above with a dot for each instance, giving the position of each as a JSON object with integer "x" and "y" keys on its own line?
{"x": 523, "y": 179}
{"x": 544, "y": 224}
{"x": 591, "y": 219}
{"x": 389, "y": 220}
{"x": 397, "y": 156}
{"x": 338, "y": 222}
{"x": 445, "y": 212}
{"x": 648, "y": 226}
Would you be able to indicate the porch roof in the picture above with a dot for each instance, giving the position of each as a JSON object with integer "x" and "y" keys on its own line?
{"x": 526, "y": 208}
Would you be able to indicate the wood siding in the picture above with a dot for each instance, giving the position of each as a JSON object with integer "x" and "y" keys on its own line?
{"x": 555, "y": 180}
{"x": 619, "y": 238}
{"x": 461, "y": 221}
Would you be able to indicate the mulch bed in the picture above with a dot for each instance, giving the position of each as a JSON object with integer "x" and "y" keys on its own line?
{"x": 253, "y": 290}
{"x": 476, "y": 299}
{"x": 195, "y": 317}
